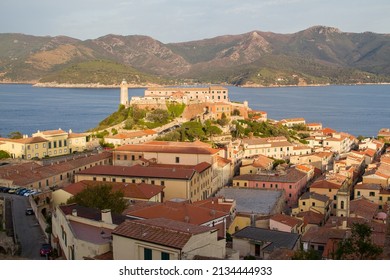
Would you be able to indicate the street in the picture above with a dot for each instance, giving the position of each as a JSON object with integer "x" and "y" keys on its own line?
{"x": 27, "y": 229}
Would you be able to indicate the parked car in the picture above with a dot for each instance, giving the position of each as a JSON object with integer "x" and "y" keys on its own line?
{"x": 29, "y": 211}
{"x": 45, "y": 250}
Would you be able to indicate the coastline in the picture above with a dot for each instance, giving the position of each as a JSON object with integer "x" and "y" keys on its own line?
{"x": 98, "y": 85}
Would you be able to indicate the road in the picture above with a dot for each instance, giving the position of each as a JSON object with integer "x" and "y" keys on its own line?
{"x": 27, "y": 229}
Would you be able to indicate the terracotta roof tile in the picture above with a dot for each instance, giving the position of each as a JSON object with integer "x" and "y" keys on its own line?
{"x": 287, "y": 220}
{"x": 160, "y": 231}
{"x": 178, "y": 211}
{"x": 130, "y": 190}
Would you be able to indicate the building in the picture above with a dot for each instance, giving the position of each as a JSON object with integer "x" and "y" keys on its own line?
{"x": 79, "y": 232}
{"x": 26, "y": 147}
{"x": 373, "y": 192}
{"x": 164, "y": 239}
{"x": 177, "y": 153}
{"x": 124, "y": 94}
{"x": 256, "y": 165}
{"x": 253, "y": 207}
{"x": 42, "y": 177}
{"x": 131, "y": 191}
{"x": 213, "y": 93}
{"x": 314, "y": 202}
{"x": 275, "y": 147}
{"x": 183, "y": 212}
{"x": 314, "y": 126}
{"x": 188, "y": 182}
{"x": 292, "y": 181}
{"x": 321, "y": 160}
{"x": 282, "y": 222}
{"x": 44, "y": 144}
{"x": 260, "y": 243}
{"x": 134, "y": 137}
{"x": 293, "y": 122}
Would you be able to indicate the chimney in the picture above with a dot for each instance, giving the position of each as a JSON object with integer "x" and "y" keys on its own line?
{"x": 106, "y": 216}
{"x": 74, "y": 212}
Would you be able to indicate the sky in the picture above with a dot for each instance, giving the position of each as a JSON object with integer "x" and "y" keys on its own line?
{"x": 172, "y": 21}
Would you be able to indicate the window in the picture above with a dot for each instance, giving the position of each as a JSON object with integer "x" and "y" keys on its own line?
{"x": 125, "y": 157}
{"x": 152, "y": 182}
{"x": 290, "y": 186}
{"x": 36, "y": 146}
{"x": 55, "y": 144}
{"x": 133, "y": 157}
{"x": 342, "y": 204}
{"x": 133, "y": 181}
{"x": 371, "y": 194}
{"x": 358, "y": 193}
{"x": 65, "y": 143}
{"x": 147, "y": 254}
{"x": 123, "y": 180}
{"x": 59, "y": 143}
{"x": 49, "y": 145}
{"x": 94, "y": 178}
{"x": 303, "y": 203}
{"x": 177, "y": 160}
{"x": 118, "y": 157}
{"x": 380, "y": 198}
{"x": 263, "y": 185}
{"x": 114, "y": 179}
{"x": 276, "y": 185}
{"x": 162, "y": 183}
{"x": 164, "y": 256}
{"x": 313, "y": 204}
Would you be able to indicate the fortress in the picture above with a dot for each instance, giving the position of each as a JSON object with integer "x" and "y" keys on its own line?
{"x": 212, "y": 101}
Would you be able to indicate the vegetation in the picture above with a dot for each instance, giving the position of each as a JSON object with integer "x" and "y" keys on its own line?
{"x": 244, "y": 128}
{"x": 100, "y": 72}
{"x": 4, "y": 154}
{"x": 306, "y": 255}
{"x": 359, "y": 246}
{"x": 102, "y": 197}
{"x": 175, "y": 109}
{"x": 15, "y": 135}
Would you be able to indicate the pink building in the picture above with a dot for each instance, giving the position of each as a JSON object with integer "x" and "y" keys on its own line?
{"x": 292, "y": 181}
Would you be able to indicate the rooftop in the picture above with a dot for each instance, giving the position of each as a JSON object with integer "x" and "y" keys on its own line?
{"x": 291, "y": 175}
{"x": 196, "y": 147}
{"x": 130, "y": 190}
{"x": 160, "y": 231}
{"x": 257, "y": 201}
{"x": 276, "y": 239}
{"x": 287, "y": 220}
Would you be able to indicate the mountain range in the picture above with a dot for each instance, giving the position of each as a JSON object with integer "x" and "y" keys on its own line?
{"x": 317, "y": 55}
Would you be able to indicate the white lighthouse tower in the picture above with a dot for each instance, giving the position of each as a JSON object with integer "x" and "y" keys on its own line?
{"x": 124, "y": 98}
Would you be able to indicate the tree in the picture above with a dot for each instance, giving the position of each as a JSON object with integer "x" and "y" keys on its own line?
{"x": 158, "y": 116}
{"x": 100, "y": 196}
{"x": 15, "y": 135}
{"x": 4, "y": 154}
{"x": 306, "y": 255}
{"x": 359, "y": 245}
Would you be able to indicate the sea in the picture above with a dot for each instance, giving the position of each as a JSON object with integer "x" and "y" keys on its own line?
{"x": 356, "y": 109}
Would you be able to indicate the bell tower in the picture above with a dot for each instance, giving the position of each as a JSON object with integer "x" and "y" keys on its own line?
{"x": 124, "y": 98}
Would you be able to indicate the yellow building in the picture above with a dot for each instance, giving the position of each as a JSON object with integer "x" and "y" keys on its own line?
{"x": 373, "y": 192}
{"x": 26, "y": 147}
{"x": 180, "y": 181}
{"x": 311, "y": 201}
{"x": 57, "y": 141}
{"x": 77, "y": 142}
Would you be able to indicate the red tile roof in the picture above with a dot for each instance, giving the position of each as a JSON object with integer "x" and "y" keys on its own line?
{"x": 364, "y": 208}
{"x": 29, "y": 140}
{"x": 130, "y": 190}
{"x": 170, "y": 147}
{"x": 310, "y": 217}
{"x": 160, "y": 231}
{"x": 291, "y": 176}
{"x": 325, "y": 184}
{"x": 184, "y": 172}
{"x": 287, "y": 220}
{"x": 178, "y": 211}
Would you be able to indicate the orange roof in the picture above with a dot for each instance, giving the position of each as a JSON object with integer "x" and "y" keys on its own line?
{"x": 216, "y": 203}
{"x": 133, "y": 134}
{"x": 29, "y": 140}
{"x": 160, "y": 231}
{"x": 178, "y": 211}
{"x": 77, "y": 135}
{"x": 328, "y": 130}
{"x": 325, "y": 184}
{"x": 53, "y": 132}
{"x": 170, "y": 147}
{"x": 130, "y": 190}
{"x": 287, "y": 220}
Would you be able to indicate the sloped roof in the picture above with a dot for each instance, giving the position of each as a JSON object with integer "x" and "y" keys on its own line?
{"x": 287, "y": 220}
{"x": 130, "y": 190}
{"x": 277, "y": 239}
{"x": 362, "y": 207}
{"x": 160, "y": 231}
{"x": 170, "y": 147}
{"x": 178, "y": 211}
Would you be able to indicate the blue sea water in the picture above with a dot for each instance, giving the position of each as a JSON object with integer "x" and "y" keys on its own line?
{"x": 359, "y": 110}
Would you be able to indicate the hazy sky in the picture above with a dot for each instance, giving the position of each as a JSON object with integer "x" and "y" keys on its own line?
{"x": 185, "y": 20}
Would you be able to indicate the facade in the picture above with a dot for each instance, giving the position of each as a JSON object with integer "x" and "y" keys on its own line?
{"x": 80, "y": 232}
{"x": 257, "y": 165}
{"x": 292, "y": 181}
{"x": 373, "y": 192}
{"x": 282, "y": 222}
{"x": 188, "y": 182}
{"x": 164, "y": 239}
{"x": 292, "y": 122}
{"x": 44, "y": 144}
{"x": 213, "y": 93}
{"x": 260, "y": 243}
{"x": 318, "y": 203}
{"x": 134, "y": 137}
{"x": 34, "y": 176}
{"x": 275, "y": 147}
{"x": 321, "y": 160}
{"x": 131, "y": 192}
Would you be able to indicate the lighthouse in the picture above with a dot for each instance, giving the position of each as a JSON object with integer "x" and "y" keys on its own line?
{"x": 124, "y": 98}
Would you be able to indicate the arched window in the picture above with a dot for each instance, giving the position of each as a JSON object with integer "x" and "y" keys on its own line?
{"x": 342, "y": 205}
